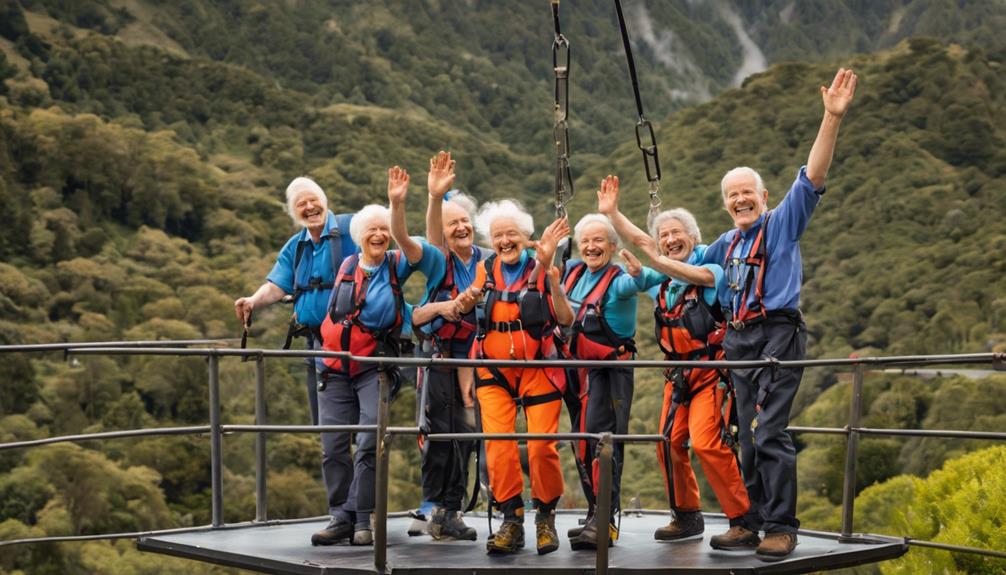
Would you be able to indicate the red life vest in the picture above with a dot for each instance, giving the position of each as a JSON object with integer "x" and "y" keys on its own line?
{"x": 342, "y": 329}
{"x": 592, "y": 336}
{"x": 757, "y": 262}
{"x": 691, "y": 329}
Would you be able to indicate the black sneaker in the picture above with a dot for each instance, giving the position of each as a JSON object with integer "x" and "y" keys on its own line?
{"x": 336, "y": 530}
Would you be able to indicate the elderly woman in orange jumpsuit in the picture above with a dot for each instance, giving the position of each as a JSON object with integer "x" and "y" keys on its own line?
{"x": 522, "y": 304}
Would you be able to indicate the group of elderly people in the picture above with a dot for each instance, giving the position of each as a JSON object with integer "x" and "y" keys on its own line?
{"x": 737, "y": 298}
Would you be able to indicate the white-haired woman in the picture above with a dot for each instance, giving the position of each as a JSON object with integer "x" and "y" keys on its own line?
{"x": 689, "y": 326}
{"x": 523, "y": 303}
{"x": 603, "y": 297}
{"x": 445, "y": 332}
{"x": 366, "y": 316}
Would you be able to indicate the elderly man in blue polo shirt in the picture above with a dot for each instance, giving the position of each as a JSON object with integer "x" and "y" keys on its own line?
{"x": 764, "y": 272}
{"x": 305, "y": 270}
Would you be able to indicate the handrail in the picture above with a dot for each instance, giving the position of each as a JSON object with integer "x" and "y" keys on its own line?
{"x": 385, "y": 432}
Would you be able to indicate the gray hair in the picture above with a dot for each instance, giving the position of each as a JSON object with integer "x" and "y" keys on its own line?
{"x": 598, "y": 219}
{"x": 463, "y": 201}
{"x": 359, "y": 223}
{"x": 298, "y": 186}
{"x": 682, "y": 215}
{"x": 741, "y": 170}
{"x": 492, "y": 211}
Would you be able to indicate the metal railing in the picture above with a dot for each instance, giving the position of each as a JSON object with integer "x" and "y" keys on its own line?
{"x": 852, "y": 431}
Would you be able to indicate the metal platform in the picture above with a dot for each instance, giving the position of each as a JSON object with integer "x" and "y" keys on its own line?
{"x": 286, "y": 548}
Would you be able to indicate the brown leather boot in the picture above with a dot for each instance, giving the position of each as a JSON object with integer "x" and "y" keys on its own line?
{"x": 735, "y": 538}
{"x": 548, "y": 539}
{"x": 776, "y": 546}
{"x": 686, "y": 525}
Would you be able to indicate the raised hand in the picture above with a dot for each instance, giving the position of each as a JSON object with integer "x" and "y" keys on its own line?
{"x": 607, "y": 196}
{"x": 398, "y": 184}
{"x": 545, "y": 247}
{"x": 441, "y": 177}
{"x": 838, "y": 96}
{"x": 632, "y": 264}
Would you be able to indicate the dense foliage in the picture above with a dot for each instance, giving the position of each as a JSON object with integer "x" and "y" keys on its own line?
{"x": 144, "y": 146}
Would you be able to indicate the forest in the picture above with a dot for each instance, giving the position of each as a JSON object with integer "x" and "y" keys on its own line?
{"x": 145, "y": 146}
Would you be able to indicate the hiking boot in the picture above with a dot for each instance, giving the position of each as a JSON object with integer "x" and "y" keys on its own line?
{"x": 587, "y": 539}
{"x": 335, "y": 531}
{"x": 419, "y": 525}
{"x": 735, "y": 538}
{"x": 576, "y": 531}
{"x": 448, "y": 525}
{"x": 508, "y": 539}
{"x": 686, "y": 525}
{"x": 362, "y": 536}
{"x": 548, "y": 539}
{"x": 776, "y": 546}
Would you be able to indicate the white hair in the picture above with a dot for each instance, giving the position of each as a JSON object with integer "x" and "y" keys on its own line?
{"x": 463, "y": 201}
{"x": 738, "y": 171}
{"x": 492, "y": 211}
{"x": 298, "y": 186}
{"x": 595, "y": 219}
{"x": 362, "y": 220}
{"x": 682, "y": 215}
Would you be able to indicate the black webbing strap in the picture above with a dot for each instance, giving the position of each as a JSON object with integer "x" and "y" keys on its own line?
{"x": 560, "y": 127}
{"x": 646, "y": 139}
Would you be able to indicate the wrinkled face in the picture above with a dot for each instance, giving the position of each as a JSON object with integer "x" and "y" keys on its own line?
{"x": 457, "y": 227}
{"x": 376, "y": 237}
{"x": 308, "y": 210}
{"x": 507, "y": 239}
{"x": 743, "y": 200}
{"x": 596, "y": 247}
{"x": 674, "y": 241}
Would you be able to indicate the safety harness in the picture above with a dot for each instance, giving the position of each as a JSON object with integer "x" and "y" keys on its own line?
{"x": 342, "y": 329}
{"x": 592, "y": 336}
{"x": 297, "y": 329}
{"x": 444, "y": 331}
{"x": 691, "y": 330}
{"x": 756, "y": 263}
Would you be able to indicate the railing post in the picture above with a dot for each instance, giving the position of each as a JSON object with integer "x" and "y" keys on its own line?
{"x": 381, "y": 477}
{"x": 603, "y": 513}
{"x": 851, "y": 450}
{"x": 216, "y": 453}
{"x": 260, "y": 439}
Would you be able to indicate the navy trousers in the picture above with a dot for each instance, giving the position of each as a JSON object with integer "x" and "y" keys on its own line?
{"x": 768, "y": 456}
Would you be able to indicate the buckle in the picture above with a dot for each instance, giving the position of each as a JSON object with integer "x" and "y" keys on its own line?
{"x": 737, "y": 325}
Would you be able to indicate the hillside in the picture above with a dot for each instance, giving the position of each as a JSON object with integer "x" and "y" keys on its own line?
{"x": 144, "y": 147}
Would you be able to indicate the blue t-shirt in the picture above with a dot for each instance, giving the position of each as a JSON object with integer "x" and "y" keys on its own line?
{"x": 379, "y": 310}
{"x": 316, "y": 261}
{"x": 782, "y": 244}
{"x": 464, "y": 275}
{"x": 619, "y": 302}
{"x": 677, "y": 287}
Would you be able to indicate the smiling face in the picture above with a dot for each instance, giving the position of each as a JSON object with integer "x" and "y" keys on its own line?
{"x": 743, "y": 200}
{"x": 507, "y": 239}
{"x": 376, "y": 238}
{"x": 596, "y": 247}
{"x": 458, "y": 229}
{"x": 674, "y": 240}
{"x": 309, "y": 210}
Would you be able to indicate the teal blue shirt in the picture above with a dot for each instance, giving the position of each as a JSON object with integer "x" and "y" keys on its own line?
{"x": 677, "y": 287}
{"x": 619, "y": 302}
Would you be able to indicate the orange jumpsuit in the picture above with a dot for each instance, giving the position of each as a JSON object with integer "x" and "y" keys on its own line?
{"x": 698, "y": 417}
{"x": 498, "y": 389}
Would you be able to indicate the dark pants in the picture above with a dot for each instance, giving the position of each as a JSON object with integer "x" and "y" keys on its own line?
{"x": 312, "y": 380}
{"x": 768, "y": 456}
{"x": 349, "y": 478}
{"x": 445, "y": 463}
{"x": 609, "y": 401}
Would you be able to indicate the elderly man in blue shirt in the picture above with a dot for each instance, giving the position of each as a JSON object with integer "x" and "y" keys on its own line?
{"x": 763, "y": 266}
{"x": 305, "y": 270}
